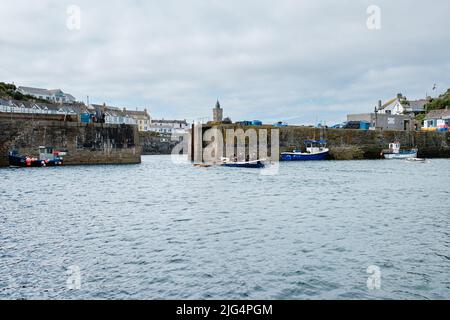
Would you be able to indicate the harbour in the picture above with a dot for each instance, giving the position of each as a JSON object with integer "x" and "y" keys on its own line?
{"x": 309, "y": 232}
{"x": 224, "y": 159}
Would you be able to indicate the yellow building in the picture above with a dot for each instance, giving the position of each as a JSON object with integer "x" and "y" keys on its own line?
{"x": 142, "y": 118}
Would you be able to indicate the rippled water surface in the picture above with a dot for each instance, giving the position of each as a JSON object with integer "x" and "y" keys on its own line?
{"x": 164, "y": 230}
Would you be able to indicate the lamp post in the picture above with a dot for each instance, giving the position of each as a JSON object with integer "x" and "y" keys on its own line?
{"x": 376, "y": 117}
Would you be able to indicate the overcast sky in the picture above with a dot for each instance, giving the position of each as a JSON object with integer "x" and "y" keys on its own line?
{"x": 295, "y": 61}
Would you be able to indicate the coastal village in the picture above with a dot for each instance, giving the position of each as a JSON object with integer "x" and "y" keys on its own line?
{"x": 105, "y": 134}
{"x": 28, "y": 100}
{"x": 398, "y": 113}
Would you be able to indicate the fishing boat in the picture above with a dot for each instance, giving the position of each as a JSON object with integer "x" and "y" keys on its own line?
{"x": 395, "y": 152}
{"x": 253, "y": 164}
{"x": 315, "y": 150}
{"x": 47, "y": 158}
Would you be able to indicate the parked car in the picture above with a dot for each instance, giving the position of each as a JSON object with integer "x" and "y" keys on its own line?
{"x": 280, "y": 124}
{"x": 244, "y": 123}
{"x": 339, "y": 125}
{"x": 357, "y": 125}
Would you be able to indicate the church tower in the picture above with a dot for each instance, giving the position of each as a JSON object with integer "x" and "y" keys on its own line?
{"x": 217, "y": 113}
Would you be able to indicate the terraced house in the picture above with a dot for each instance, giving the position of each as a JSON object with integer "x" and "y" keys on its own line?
{"x": 142, "y": 118}
{"x": 15, "y": 106}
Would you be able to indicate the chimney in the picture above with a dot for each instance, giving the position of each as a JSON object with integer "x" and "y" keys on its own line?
{"x": 399, "y": 96}
{"x": 380, "y": 103}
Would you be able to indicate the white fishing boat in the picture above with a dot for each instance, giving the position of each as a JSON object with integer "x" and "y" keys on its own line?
{"x": 395, "y": 152}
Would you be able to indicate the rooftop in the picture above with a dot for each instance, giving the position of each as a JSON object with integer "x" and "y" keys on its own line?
{"x": 438, "y": 114}
{"x": 37, "y": 91}
{"x": 170, "y": 121}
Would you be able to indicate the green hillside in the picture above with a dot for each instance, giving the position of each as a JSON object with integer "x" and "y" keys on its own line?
{"x": 8, "y": 92}
{"x": 441, "y": 102}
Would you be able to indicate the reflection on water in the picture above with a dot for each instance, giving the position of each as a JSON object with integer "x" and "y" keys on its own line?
{"x": 160, "y": 230}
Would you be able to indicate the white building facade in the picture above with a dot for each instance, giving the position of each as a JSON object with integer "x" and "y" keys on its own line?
{"x": 56, "y": 95}
{"x": 170, "y": 127}
{"x": 437, "y": 119}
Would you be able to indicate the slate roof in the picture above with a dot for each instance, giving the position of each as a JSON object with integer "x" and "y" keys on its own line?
{"x": 438, "y": 114}
{"x": 417, "y": 105}
{"x": 170, "y": 121}
{"x": 35, "y": 91}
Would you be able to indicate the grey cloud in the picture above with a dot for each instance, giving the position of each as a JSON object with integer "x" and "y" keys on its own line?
{"x": 270, "y": 60}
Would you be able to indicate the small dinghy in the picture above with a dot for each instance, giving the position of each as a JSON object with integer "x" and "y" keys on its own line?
{"x": 202, "y": 165}
{"x": 253, "y": 164}
{"x": 418, "y": 160}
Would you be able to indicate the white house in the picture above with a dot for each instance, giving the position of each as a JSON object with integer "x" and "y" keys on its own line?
{"x": 400, "y": 105}
{"x": 437, "y": 119}
{"x": 112, "y": 115}
{"x": 178, "y": 127}
{"x": 56, "y": 95}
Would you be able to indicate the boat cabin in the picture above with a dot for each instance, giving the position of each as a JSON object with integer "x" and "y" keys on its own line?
{"x": 394, "y": 147}
{"x": 48, "y": 153}
{"x": 313, "y": 146}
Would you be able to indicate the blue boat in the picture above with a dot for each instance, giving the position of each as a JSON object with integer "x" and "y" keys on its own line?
{"x": 255, "y": 164}
{"x": 315, "y": 150}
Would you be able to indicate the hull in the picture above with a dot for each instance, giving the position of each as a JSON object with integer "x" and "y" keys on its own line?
{"x": 294, "y": 156}
{"x": 252, "y": 165}
{"x": 403, "y": 155}
{"x": 19, "y": 161}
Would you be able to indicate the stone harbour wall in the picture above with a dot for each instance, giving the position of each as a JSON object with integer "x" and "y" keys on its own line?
{"x": 347, "y": 144}
{"x": 84, "y": 143}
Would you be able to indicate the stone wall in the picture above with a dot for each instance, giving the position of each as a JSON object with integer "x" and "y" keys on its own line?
{"x": 351, "y": 144}
{"x": 85, "y": 143}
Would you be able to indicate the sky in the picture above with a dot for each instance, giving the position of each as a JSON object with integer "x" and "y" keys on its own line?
{"x": 282, "y": 60}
